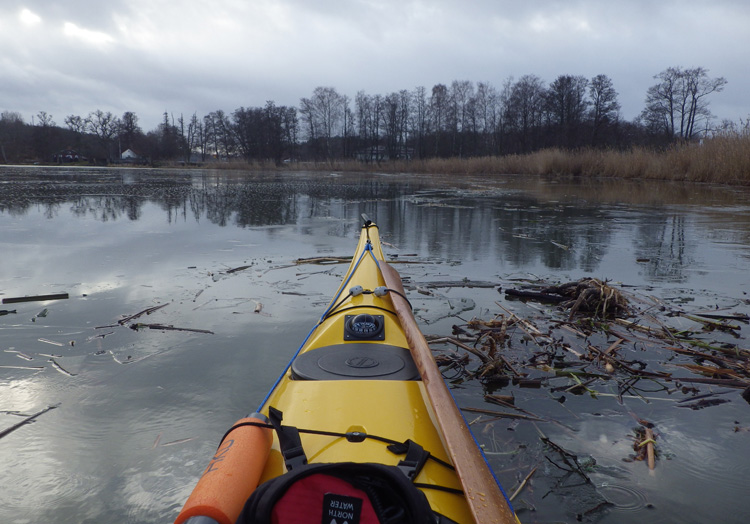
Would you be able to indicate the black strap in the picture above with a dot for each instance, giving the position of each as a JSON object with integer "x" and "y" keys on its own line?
{"x": 415, "y": 458}
{"x": 289, "y": 441}
{"x": 294, "y": 454}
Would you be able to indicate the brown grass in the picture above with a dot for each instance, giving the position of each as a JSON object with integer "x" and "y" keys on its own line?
{"x": 720, "y": 160}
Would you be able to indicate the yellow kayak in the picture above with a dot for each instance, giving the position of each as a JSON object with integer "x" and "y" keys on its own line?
{"x": 360, "y": 427}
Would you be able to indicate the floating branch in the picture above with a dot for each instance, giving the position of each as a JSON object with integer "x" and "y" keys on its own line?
{"x": 535, "y": 295}
{"x": 146, "y": 311}
{"x": 323, "y": 260}
{"x": 25, "y": 421}
{"x": 645, "y": 444}
{"x": 454, "y": 283}
{"x": 61, "y": 369}
{"x": 738, "y": 316}
{"x": 138, "y": 326}
{"x": 588, "y": 295}
{"x": 236, "y": 269}
{"x": 37, "y": 298}
{"x": 523, "y": 483}
{"x": 568, "y": 458}
{"x": 501, "y": 414}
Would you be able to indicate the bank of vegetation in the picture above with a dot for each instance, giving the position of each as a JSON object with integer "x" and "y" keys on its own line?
{"x": 572, "y": 126}
{"x": 722, "y": 160}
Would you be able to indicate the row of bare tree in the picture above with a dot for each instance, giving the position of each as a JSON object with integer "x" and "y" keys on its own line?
{"x": 458, "y": 120}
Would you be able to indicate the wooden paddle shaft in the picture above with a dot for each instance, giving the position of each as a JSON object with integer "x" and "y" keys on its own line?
{"x": 487, "y": 502}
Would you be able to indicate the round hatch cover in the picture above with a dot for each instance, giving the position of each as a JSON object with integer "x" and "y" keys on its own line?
{"x": 355, "y": 361}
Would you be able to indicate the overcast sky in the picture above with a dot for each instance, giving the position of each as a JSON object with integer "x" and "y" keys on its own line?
{"x": 184, "y": 56}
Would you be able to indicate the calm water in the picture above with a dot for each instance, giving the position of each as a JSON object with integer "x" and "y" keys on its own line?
{"x": 139, "y": 412}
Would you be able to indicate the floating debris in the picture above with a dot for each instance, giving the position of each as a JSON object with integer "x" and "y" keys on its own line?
{"x": 324, "y": 260}
{"x": 179, "y": 441}
{"x": 236, "y": 269}
{"x": 146, "y": 311}
{"x": 32, "y": 368}
{"x": 139, "y": 326}
{"x": 47, "y": 341}
{"x": 37, "y": 298}
{"x": 27, "y": 420}
{"x": 588, "y": 296}
{"x": 61, "y": 369}
{"x": 644, "y": 445}
{"x": 597, "y": 339}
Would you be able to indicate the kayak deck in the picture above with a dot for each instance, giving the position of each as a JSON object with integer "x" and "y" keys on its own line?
{"x": 362, "y": 388}
{"x": 392, "y": 409}
{"x": 373, "y": 388}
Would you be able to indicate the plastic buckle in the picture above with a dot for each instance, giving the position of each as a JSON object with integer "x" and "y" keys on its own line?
{"x": 415, "y": 458}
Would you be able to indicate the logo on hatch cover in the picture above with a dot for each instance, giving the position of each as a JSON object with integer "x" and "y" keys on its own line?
{"x": 362, "y": 362}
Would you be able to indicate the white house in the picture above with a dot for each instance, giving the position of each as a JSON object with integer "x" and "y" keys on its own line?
{"x": 129, "y": 154}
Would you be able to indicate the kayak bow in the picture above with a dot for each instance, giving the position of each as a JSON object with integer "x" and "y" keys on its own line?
{"x": 363, "y": 398}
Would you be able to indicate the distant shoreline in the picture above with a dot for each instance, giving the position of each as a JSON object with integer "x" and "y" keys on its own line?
{"x": 722, "y": 160}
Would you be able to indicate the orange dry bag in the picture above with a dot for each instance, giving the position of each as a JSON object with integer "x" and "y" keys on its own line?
{"x": 232, "y": 475}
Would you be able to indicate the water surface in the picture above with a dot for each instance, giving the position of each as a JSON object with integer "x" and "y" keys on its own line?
{"x": 139, "y": 412}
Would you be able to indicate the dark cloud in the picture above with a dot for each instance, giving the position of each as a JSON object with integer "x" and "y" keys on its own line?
{"x": 194, "y": 56}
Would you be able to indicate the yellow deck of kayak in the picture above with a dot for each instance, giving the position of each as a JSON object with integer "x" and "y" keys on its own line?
{"x": 395, "y": 409}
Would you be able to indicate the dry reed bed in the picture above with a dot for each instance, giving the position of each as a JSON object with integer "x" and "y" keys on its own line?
{"x": 723, "y": 160}
{"x": 720, "y": 160}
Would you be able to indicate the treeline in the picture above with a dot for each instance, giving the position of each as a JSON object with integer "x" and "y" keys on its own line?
{"x": 463, "y": 119}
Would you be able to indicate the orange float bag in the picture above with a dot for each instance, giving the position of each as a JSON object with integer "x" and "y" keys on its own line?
{"x": 232, "y": 474}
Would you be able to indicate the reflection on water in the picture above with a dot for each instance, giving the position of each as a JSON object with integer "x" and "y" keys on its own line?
{"x": 141, "y": 410}
{"x": 522, "y": 224}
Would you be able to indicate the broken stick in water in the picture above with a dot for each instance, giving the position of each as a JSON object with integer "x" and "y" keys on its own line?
{"x": 25, "y": 421}
{"x": 36, "y": 298}
{"x": 138, "y": 326}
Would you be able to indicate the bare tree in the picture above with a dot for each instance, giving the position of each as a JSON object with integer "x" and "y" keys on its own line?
{"x": 323, "y": 115}
{"x": 104, "y": 127}
{"x": 523, "y": 110}
{"x": 605, "y": 109}
{"x": 438, "y": 107}
{"x": 347, "y": 132}
{"x": 395, "y": 120}
{"x": 195, "y": 137}
{"x": 13, "y": 146}
{"x": 418, "y": 120}
{"x": 363, "y": 114}
{"x": 460, "y": 96}
{"x": 679, "y": 101}
{"x": 77, "y": 126}
{"x": 486, "y": 117}
{"x": 219, "y": 135}
{"x": 372, "y": 124}
{"x": 45, "y": 135}
{"x": 75, "y": 123}
{"x": 693, "y": 103}
{"x": 566, "y": 104}
{"x": 290, "y": 126}
{"x": 130, "y": 131}
{"x": 45, "y": 119}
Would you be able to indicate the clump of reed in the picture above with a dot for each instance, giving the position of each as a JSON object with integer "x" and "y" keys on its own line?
{"x": 723, "y": 159}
